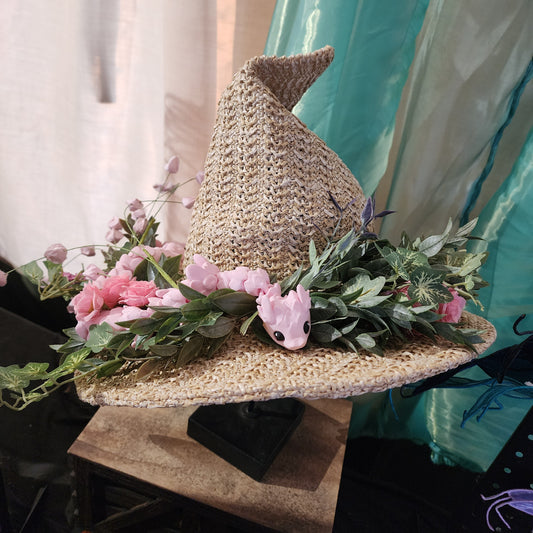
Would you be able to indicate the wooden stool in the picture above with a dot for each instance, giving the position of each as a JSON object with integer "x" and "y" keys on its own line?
{"x": 136, "y": 466}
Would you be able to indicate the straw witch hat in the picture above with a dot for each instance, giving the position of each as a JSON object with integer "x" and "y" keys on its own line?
{"x": 267, "y": 189}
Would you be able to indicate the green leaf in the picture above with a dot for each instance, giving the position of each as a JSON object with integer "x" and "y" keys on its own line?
{"x": 196, "y": 309}
{"x": 147, "y": 368}
{"x": 172, "y": 266}
{"x": 426, "y": 287}
{"x": 189, "y": 293}
{"x": 321, "y": 309}
{"x": 373, "y": 301}
{"x": 16, "y": 378}
{"x": 472, "y": 263}
{"x": 120, "y": 342}
{"x": 33, "y": 272}
{"x": 99, "y": 336}
{"x": 54, "y": 270}
{"x": 364, "y": 288}
{"x": 312, "y": 251}
{"x": 236, "y": 303}
{"x": 190, "y": 350}
{"x": 168, "y": 326}
{"x": 434, "y": 244}
{"x": 342, "y": 310}
{"x": 164, "y": 350}
{"x": 246, "y": 324}
{"x": 108, "y": 368}
{"x": 73, "y": 360}
{"x": 144, "y": 326}
{"x": 325, "y": 333}
{"x": 365, "y": 341}
{"x": 221, "y": 328}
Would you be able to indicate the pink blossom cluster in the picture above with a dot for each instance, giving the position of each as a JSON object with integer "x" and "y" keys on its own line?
{"x": 118, "y": 296}
{"x": 111, "y": 299}
{"x": 451, "y": 311}
{"x": 204, "y": 277}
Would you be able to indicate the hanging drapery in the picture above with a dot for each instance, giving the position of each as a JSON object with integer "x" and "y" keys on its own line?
{"x": 96, "y": 95}
{"x": 413, "y": 101}
{"x": 353, "y": 105}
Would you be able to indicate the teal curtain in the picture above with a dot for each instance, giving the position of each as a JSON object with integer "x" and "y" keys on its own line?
{"x": 353, "y": 105}
{"x": 413, "y": 102}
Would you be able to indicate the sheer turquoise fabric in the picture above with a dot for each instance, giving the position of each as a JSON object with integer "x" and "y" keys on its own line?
{"x": 412, "y": 102}
{"x": 353, "y": 105}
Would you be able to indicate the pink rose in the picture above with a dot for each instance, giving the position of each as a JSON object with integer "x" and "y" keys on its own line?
{"x": 201, "y": 276}
{"x": 56, "y": 253}
{"x": 112, "y": 289}
{"x": 137, "y": 293}
{"x": 453, "y": 310}
{"x": 200, "y": 175}
{"x": 3, "y": 278}
{"x": 87, "y": 304}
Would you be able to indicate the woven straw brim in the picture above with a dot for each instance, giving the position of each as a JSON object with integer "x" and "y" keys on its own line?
{"x": 246, "y": 369}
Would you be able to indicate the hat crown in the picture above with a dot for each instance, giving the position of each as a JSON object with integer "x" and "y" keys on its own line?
{"x": 268, "y": 178}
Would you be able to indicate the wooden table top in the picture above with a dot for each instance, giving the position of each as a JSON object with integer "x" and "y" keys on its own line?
{"x": 298, "y": 493}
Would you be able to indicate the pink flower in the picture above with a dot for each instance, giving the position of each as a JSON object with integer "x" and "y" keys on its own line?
{"x": 87, "y": 304}
{"x": 114, "y": 223}
{"x": 200, "y": 175}
{"x": 172, "y": 249}
{"x": 92, "y": 272}
{"x": 137, "y": 293}
{"x": 452, "y": 310}
{"x": 136, "y": 208}
{"x": 3, "y": 278}
{"x": 113, "y": 288}
{"x": 113, "y": 236}
{"x": 201, "y": 276}
{"x": 135, "y": 205}
{"x": 140, "y": 225}
{"x": 188, "y": 202}
{"x": 56, "y": 253}
{"x": 88, "y": 251}
{"x": 169, "y": 298}
{"x": 164, "y": 187}
{"x": 173, "y": 165}
{"x": 70, "y": 276}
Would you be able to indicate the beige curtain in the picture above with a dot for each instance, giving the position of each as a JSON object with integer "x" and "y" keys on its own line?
{"x": 95, "y": 96}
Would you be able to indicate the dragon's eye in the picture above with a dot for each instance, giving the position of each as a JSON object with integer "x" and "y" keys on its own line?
{"x": 279, "y": 336}
{"x": 307, "y": 327}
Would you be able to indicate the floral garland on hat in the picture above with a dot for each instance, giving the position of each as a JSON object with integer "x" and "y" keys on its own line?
{"x": 360, "y": 292}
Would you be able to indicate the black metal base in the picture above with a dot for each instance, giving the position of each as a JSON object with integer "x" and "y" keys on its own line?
{"x": 247, "y": 435}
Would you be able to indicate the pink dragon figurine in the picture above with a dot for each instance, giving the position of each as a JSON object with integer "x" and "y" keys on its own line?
{"x": 285, "y": 318}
